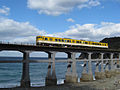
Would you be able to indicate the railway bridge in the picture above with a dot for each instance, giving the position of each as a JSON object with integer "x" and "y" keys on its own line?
{"x": 112, "y": 65}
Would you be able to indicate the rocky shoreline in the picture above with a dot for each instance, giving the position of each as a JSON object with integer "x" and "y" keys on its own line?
{"x": 112, "y": 83}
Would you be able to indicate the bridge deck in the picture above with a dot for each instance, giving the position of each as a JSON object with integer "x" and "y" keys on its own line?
{"x": 19, "y": 47}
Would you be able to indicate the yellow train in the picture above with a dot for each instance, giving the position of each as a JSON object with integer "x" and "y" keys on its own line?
{"x": 65, "y": 42}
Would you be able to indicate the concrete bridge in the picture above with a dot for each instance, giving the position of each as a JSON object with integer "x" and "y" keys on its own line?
{"x": 71, "y": 74}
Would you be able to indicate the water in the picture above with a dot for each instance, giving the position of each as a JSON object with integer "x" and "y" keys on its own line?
{"x": 10, "y": 73}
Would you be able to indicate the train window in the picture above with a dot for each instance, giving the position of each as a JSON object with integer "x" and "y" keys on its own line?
{"x": 70, "y": 40}
{"x": 98, "y": 44}
{"x": 62, "y": 40}
{"x": 77, "y": 41}
{"x": 80, "y": 41}
{"x": 50, "y": 39}
{"x": 67, "y": 40}
{"x": 92, "y": 43}
{"x": 46, "y": 38}
{"x": 59, "y": 40}
{"x": 73, "y": 41}
{"x": 86, "y": 42}
{"x": 55, "y": 39}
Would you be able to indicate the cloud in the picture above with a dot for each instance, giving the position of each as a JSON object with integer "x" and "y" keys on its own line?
{"x": 89, "y": 4}
{"x": 58, "y": 7}
{"x": 14, "y": 31}
{"x": 92, "y": 32}
{"x": 70, "y": 20}
{"x": 4, "y": 10}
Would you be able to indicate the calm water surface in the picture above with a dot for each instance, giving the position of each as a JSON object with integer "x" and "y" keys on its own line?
{"x": 10, "y": 73}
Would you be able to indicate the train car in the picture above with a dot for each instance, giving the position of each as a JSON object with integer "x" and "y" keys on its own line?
{"x": 66, "y": 42}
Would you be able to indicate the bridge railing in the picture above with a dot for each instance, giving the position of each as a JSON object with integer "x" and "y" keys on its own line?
{"x": 18, "y": 43}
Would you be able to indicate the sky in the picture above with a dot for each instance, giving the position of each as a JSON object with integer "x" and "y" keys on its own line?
{"x": 22, "y": 20}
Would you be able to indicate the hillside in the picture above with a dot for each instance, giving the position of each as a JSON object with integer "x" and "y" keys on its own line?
{"x": 113, "y": 42}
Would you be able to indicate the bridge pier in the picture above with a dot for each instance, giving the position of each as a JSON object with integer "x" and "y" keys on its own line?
{"x": 88, "y": 76}
{"x": 97, "y": 67}
{"x": 107, "y": 72}
{"x": 101, "y": 74}
{"x": 97, "y": 72}
{"x": 74, "y": 78}
{"x": 110, "y": 72}
{"x": 118, "y": 65}
{"x": 112, "y": 69}
{"x": 71, "y": 77}
{"x": 84, "y": 68}
{"x": 25, "y": 81}
{"x": 48, "y": 76}
{"x": 115, "y": 66}
{"x": 51, "y": 78}
{"x": 68, "y": 73}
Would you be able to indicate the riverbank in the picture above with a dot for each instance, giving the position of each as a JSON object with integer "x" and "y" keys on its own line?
{"x": 112, "y": 83}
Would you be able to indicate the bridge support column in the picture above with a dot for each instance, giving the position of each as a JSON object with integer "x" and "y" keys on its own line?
{"x": 101, "y": 75}
{"x": 112, "y": 70}
{"x": 107, "y": 72}
{"x": 71, "y": 77}
{"x": 51, "y": 76}
{"x": 118, "y": 66}
{"x": 97, "y": 66}
{"x": 88, "y": 76}
{"x": 25, "y": 81}
{"x": 84, "y": 68}
{"x": 48, "y": 76}
{"x": 107, "y": 66}
{"x": 97, "y": 73}
{"x": 115, "y": 67}
{"x": 68, "y": 73}
{"x": 74, "y": 72}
